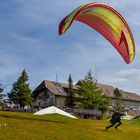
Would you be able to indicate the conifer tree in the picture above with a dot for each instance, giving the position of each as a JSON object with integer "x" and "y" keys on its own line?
{"x": 70, "y": 99}
{"x": 118, "y": 103}
{"x": 21, "y": 93}
{"x": 92, "y": 95}
{"x": 1, "y": 89}
{"x": 1, "y": 95}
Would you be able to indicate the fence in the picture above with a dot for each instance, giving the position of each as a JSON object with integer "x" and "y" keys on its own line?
{"x": 86, "y": 113}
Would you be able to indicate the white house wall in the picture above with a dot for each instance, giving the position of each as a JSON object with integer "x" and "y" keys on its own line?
{"x": 42, "y": 102}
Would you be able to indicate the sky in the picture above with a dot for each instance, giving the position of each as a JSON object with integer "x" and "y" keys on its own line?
{"x": 29, "y": 40}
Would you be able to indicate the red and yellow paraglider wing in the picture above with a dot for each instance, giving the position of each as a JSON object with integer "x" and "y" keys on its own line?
{"x": 67, "y": 21}
{"x": 108, "y": 22}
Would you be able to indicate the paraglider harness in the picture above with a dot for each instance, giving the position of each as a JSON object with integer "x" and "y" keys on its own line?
{"x": 116, "y": 118}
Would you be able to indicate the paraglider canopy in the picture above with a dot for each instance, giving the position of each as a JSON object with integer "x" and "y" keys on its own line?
{"x": 108, "y": 22}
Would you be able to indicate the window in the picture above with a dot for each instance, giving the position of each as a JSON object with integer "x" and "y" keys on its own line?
{"x": 60, "y": 90}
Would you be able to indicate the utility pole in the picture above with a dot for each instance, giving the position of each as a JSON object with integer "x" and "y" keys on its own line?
{"x": 56, "y": 78}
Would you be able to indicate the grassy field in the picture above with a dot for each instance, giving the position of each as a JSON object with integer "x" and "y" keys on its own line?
{"x": 26, "y": 126}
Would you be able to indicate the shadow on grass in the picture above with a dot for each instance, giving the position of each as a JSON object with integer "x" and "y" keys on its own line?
{"x": 27, "y": 118}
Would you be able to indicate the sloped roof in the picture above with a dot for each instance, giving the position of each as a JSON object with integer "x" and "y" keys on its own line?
{"x": 109, "y": 92}
{"x": 106, "y": 89}
{"x": 57, "y": 88}
{"x": 131, "y": 96}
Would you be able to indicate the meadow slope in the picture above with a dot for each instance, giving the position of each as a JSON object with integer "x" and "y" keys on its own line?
{"x": 26, "y": 126}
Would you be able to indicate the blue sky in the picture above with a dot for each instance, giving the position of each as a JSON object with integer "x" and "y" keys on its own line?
{"x": 29, "y": 40}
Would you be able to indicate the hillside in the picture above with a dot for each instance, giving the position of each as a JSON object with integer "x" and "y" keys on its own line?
{"x": 26, "y": 126}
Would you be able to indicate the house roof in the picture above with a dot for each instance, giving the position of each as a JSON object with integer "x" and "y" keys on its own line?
{"x": 109, "y": 92}
{"x": 131, "y": 96}
{"x": 55, "y": 87}
{"x": 106, "y": 89}
{"x": 58, "y": 88}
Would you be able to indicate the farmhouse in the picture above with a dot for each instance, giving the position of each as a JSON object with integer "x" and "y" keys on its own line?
{"x": 54, "y": 93}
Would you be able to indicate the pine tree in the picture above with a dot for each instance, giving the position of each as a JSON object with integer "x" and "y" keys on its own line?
{"x": 21, "y": 93}
{"x": 1, "y": 96}
{"x": 92, "y": 95}
{"x": 70, "y": 99}
{"x": 118, "y": 102}
{"x": 1, "y": 89}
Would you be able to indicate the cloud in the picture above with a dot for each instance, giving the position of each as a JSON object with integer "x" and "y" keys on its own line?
{"x": 130, "y": 74}
{"x": 29, "y": 39}
{"x": 125, "y": 79}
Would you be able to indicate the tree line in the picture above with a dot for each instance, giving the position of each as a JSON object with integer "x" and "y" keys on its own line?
{"x": 86, "y": 95}
{"x": 92, "y": 97}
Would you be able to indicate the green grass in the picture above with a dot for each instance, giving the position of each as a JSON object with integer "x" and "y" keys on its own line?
{"x": 26, "y": 126}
